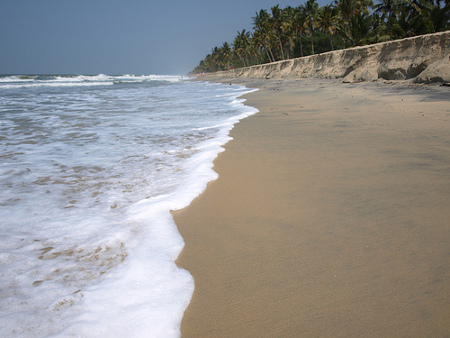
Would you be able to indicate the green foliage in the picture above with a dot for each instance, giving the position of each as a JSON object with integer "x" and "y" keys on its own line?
{"x": 308, "y": 29}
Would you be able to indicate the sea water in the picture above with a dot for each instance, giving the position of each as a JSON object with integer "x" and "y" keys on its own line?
{"x": 90, "y": 168}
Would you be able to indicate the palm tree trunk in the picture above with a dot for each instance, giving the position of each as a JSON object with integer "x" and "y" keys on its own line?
{"x": 268, "y": 55}
{"x": 281, "y": 47}
{"x": 242, "y": 60}
{"x": 271, "y": 54}
{"x": 301, "y": 46}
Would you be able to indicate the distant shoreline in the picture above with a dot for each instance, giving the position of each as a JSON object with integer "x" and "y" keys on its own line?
{"x": 420, "y": 59}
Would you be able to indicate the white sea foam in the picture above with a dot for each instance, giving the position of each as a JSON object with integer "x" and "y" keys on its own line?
{"x": 17, "y": 81}
{"x": 88, "y": 177}
{"x": 16, "y": 78}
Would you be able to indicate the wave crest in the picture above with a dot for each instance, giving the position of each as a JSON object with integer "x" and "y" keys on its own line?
{"x": 18, "y": 81}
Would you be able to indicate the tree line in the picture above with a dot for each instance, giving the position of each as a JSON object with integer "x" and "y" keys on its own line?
{"x": 308, "y": 29}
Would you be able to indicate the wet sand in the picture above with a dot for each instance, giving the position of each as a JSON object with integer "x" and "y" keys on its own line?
{"x": 330, "y": 216}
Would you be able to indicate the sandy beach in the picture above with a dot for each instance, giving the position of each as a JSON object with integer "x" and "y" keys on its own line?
{"x": 330, "y": 216}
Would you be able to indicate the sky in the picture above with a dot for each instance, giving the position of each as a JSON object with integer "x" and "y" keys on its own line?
{"x": 114, "y": 37}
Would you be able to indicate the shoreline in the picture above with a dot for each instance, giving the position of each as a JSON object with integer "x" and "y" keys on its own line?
{"x": 329, "y": 216}
{"x": 419, "y": 59}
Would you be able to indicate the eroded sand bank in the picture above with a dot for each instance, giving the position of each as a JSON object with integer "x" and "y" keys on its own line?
{"x": 424, "y": 58}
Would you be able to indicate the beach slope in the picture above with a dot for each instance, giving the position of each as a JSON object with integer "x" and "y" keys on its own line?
{"x": 329, "y": 218}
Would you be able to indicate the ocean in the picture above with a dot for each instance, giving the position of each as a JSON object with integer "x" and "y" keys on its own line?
{"x": 90, "y": 168}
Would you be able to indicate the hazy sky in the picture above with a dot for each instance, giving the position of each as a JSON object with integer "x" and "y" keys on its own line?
{"x": 119, "y": 36}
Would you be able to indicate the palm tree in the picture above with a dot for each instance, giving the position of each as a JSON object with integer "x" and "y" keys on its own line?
{"x": 311, "y": 7}
{"x": 241, "y": 45}
{"x": 263, "y": 32}
{"x": 387, "y": 9}
{"x": 214, "y": 59}
{"x": 348, "y": 10}
{"x": 345, "y": 8}
{"x": 327, "y": 20}
{"x": 276, "y": 24}
{"x": 427, "y": 17}
{"x": 289, "y": 28}
{"x": 440, "y": 17}
{"x": 299, "y": 25}
{"x": 361, "y": 28}
{"x": 225, "y": 55}
{"x": 257, "y": 43}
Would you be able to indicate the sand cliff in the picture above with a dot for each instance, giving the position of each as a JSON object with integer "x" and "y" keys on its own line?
{"x": 424, "y": 58}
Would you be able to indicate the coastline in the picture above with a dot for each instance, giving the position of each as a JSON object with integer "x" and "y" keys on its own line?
{"x": 419, "y": 59}
{"x": 329, "y": 217}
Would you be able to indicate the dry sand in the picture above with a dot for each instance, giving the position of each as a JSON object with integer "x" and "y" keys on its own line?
{"x": 330, "y": 216}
